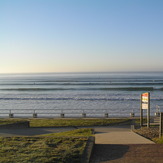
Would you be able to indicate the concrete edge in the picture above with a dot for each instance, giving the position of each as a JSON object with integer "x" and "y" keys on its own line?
{"x": 132, "y": 130}
{"x": 88, "y": 150}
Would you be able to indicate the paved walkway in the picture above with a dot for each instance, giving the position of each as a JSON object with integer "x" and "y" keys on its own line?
{"x": 121, "y": 145}
{"x": 119, "y": 135}
{"x": 32, "y": 131}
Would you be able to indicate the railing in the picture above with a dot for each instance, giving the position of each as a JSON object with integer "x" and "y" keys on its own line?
{"x": 36, "y": 113}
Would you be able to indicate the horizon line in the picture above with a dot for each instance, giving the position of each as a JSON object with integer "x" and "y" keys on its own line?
{"x": 80, "y": 72}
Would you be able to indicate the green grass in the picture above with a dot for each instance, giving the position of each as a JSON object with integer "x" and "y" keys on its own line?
{"x": 74, "y": 122}
{"x": 158, "y": 140}
{"x": 58, "y": 147}
{"x": 50, "y": 122}
{"x": 74, "y": 133}
{"x": 137, "y": 121}
{"x": 41, "y": 149}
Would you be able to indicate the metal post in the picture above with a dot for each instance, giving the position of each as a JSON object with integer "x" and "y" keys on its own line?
{"x": 34, "y": 114}
{"x": 148, "y": 112}
{"x": 141, "y": 112}
{"x": 84, "y": 114}
{"x": 161, "y": 125}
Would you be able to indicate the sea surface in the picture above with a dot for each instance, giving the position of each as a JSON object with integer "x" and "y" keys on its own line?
{"x": 95, "y": 94}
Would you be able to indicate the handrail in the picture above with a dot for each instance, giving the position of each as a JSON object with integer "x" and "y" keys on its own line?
{"x": 59, "y": 112}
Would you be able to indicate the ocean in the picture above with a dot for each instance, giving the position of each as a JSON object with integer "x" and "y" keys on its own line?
{"x": 49, "y": 94}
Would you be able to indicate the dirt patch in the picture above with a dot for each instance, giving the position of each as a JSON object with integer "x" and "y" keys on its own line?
{"x": 150, "y": 133}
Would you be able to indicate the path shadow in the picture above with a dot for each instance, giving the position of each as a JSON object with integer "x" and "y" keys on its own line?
{"x": 108, "y": 152}
{"x": 98, "y": 132}
{"x": 23, "y": 132}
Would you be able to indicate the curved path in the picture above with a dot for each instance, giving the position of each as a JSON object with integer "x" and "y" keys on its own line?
{"x": 32, "y": 131}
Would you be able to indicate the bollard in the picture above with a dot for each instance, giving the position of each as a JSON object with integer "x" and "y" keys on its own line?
{"x": 34, "y": 115}
{"x": 132, "y": 114}
{"x": 157, "y": 114}
{"x": 62, "y": 115}
{"x": 84, "y": 115}
{"x": 106, "y": 115}
{"x": 11, "y": 115}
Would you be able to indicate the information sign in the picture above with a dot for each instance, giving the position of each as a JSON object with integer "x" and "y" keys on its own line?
{"x": 145, "y": 104}
{"x": 145, "y": 100}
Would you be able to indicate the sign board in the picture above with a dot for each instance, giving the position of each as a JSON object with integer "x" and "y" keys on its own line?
{"x": 145, "y": 97}
{"x": 145, "y": 105}
{"x": 145, "y": 100}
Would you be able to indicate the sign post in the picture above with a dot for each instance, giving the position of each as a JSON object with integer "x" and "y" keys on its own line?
{"x": 145, "y": 104}
{"x": 161, "y": 125}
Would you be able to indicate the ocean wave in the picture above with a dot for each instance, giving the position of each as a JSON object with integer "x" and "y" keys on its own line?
{"x": 89, "y": 88}
{"x": 76, "y": 99}
{"x": 82, "y": 83}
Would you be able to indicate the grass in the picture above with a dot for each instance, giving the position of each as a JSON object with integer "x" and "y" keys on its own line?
{"x": 74, "y": 122}
{"x": 50, "y": 122}
{"x": 41, "y": 149}
{"x": 137, "y": 121}
{"x": 59, "y": 147}
{"x": 158, "y": 140}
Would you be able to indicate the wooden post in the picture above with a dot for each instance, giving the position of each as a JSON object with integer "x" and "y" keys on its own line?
{"x": 84, "y": 115}
{"x": 148, "y": 112}
{"x": 141, "y": 112}
{"x": 145, "y": 104}
{"x": 106, "y": 115}
{"x": 161, "y": 125}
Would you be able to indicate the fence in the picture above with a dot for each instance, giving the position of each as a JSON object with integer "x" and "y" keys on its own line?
{"x": 36, "y": 113}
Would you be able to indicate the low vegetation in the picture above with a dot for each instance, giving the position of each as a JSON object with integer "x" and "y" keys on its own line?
{"x": 75, "y": 122}
{"x": 59, "y": 147}
{"x": 41, "y": 149}
{"x": 50, "y": 122}
{"x": 158, "y": 140}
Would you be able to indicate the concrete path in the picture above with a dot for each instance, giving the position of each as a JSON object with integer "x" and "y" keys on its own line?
{"x": 119, "y": 135}
{"x": 127, "y": 153}
{"x": 32, "y": 131}
{"x": 120, "y": 145}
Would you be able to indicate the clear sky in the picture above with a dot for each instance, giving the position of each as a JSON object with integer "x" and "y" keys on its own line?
{"x": 81, "y": 35}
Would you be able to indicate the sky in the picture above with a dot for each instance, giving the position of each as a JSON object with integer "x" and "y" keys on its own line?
{"x": 81, "y": 35}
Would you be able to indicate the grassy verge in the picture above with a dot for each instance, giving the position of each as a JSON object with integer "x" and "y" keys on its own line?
{"x": 137, "y": 121}
{"x": 158, "y": 140}
{"x": 41, "y": 149}
{"x": 75, "y": 122}
{"x": 49, "y": 122}
{"x": 49, "y": 148}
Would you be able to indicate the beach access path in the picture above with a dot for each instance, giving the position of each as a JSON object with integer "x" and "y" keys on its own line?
{"x": 118, "y": 144}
